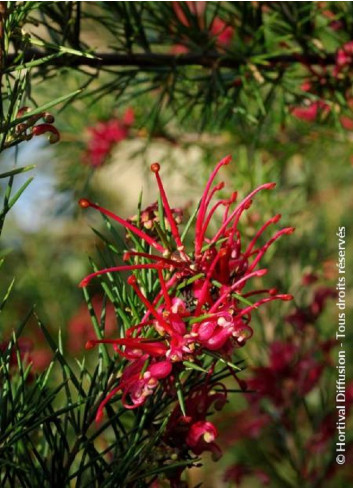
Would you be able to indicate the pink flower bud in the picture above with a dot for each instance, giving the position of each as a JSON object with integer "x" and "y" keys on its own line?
{"x": 54, "y": 135}
{"x": 206, "y": 330}
{"x": 217, "y": 340}
{"x": 160, "y": 370}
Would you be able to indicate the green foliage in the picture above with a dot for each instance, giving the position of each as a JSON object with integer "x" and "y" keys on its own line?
{"x": 85, "y": 61}
{"x": 224, "y": 64}
{"x": 48, "y": 434}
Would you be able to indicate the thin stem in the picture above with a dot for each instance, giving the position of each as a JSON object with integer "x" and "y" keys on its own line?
{"x": 154, "y": 60}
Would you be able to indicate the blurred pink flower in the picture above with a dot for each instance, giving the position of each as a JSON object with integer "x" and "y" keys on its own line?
{"x": 302, "y": 316}
{"x": 195, "y": 8}
{"x": 245, "y": 424}
{"x": 346, "y": 122}
{"x": 309, "y": 278}
{"x": 40, "y": 358}
{"x": 311, "y": 112}
{"x": 30, "y": 354}
{"x": 104, "y": 136}
{"x": 344, "y": 56}
{"x": 292, "y": 371}
{"x": 306, "y": 86}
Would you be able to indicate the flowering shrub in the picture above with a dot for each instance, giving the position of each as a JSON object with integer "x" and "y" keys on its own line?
{"x": 179, "y": 303}
{"x": 197, "y": 314}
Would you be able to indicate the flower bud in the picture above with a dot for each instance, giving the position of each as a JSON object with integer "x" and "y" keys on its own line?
{"x": 160, "y": 370}
{"x": 155, "y": 167}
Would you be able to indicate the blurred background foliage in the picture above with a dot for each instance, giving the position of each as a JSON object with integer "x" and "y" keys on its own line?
{"x": 185, "y": 83}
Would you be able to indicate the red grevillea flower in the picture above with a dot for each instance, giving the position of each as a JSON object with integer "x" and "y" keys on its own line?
{"x": 200, "y": 433}
{"x": 193, "y": 430}
{"x": 54, "y": 135}
{"x": 200, "y": 305}
{"x": 104, "y": 135}
{"x": 135, "y": 386}
{"x": 27, "y": 129}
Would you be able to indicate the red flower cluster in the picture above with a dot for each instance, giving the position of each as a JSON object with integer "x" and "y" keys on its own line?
{"x": 27, "y": 129}
{"x": 104, "y": 135}
{"x": 200, "y": 306}
{"x": 193, "y": 429}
